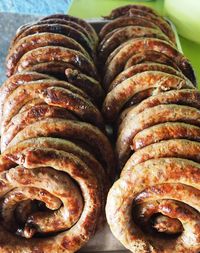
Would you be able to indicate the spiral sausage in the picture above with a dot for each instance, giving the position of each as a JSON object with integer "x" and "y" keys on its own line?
{"x": 154, "y": 205}
{"x": 161, "y": 175}
{"x": 57, "y": 163}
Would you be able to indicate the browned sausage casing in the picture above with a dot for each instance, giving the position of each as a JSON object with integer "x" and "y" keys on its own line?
{"x": 57, "y": 163}
{"x": 154, "y": 108}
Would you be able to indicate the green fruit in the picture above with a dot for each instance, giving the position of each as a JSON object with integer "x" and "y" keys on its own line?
{"x": 185, "y": 14}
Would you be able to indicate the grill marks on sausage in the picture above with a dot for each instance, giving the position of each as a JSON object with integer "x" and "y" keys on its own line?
{"x": 52, "y": 68}
{"x": 165, "y": 131}
{"x": 190, "y": 97}
{"x": 160, "y": 22}
{"x": 31, "y": 115}
{"x": 161, "y": 174}
{"x": 12, "y": 83}
{"x": 125, "y": 21}
{"x": 152, "y": 57}
{"x": 58, "y": 31}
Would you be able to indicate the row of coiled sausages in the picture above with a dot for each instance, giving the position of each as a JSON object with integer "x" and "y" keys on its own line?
{"x": 154, "y": 107}
{"x": 57, "y": 163}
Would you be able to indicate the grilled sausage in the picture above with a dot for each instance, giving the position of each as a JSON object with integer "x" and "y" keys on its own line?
{"x": 60, "y": 54}
{"x": 159, "y": 21}
{"x": 150, "y": 56}
{"x": 153, "y": 116}
{"x": 139, "y": 68}
{"x": 67, "y": 129}
{"x": 90, "y": 30}
{"x": 57, "y": 29}
{"x": 85, "y": 83}
{"x": 53, "y": 179}
{"x": 190, "y": 97}
{"x": 113, "y": 39}
{"x": 12, "y": 83}
{"x": 55, "y": 69}
{"x": 116, "y": 61}
{"x": 39, "y": 40}
{"x": 71, "y": 97}
{"x": 167, "y": 177}
{"x": 179, "y": 148}
{"x": 156, "y": 80}
{"x": 165, "y": 131}
{"x": 123, "y": 22}
{"x": 35, "y": 113}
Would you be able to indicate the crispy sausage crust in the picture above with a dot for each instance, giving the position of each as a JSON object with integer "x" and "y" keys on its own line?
{"x": 68, "y": 23}
{"x": 165, "y": 131}
{"x": 35, "y": 113}
{"x": 58, "y": 29}
{"x": 81, "y": 22}
{"x": 34, "y": 176}
{"x": 37, "y": 89}
{"x": 117, "y": 60}
{"x": 54, "y": 177}
{"x": 150, "y": 117}
{"x": 55, "y": 69}
{"x": 154, "y": 205}
{"x": 190, "y": 97}
{"x": 160, "y": 174}
{"x": 180, "y": 148}
{"x": 67, "y": 129}
{"x": 83, "y": 108}
{"x": 151, "y": 56}
{"x": 113, "y": 39}
{"x": 13, "y": 82}
{"x": 155, "y": 80}
{"x": 64, "y": 145}
{"x": 88, "y": 84}
{"x": 125, "y": 21}
{"x": 138, "y": 68}
{"x": 159, "y": 21}
{"x": 60, "y": 54}
{"x": 57, "y": 144}
{"x": 39, "y": 40}
{"x": 54, "y": 21}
